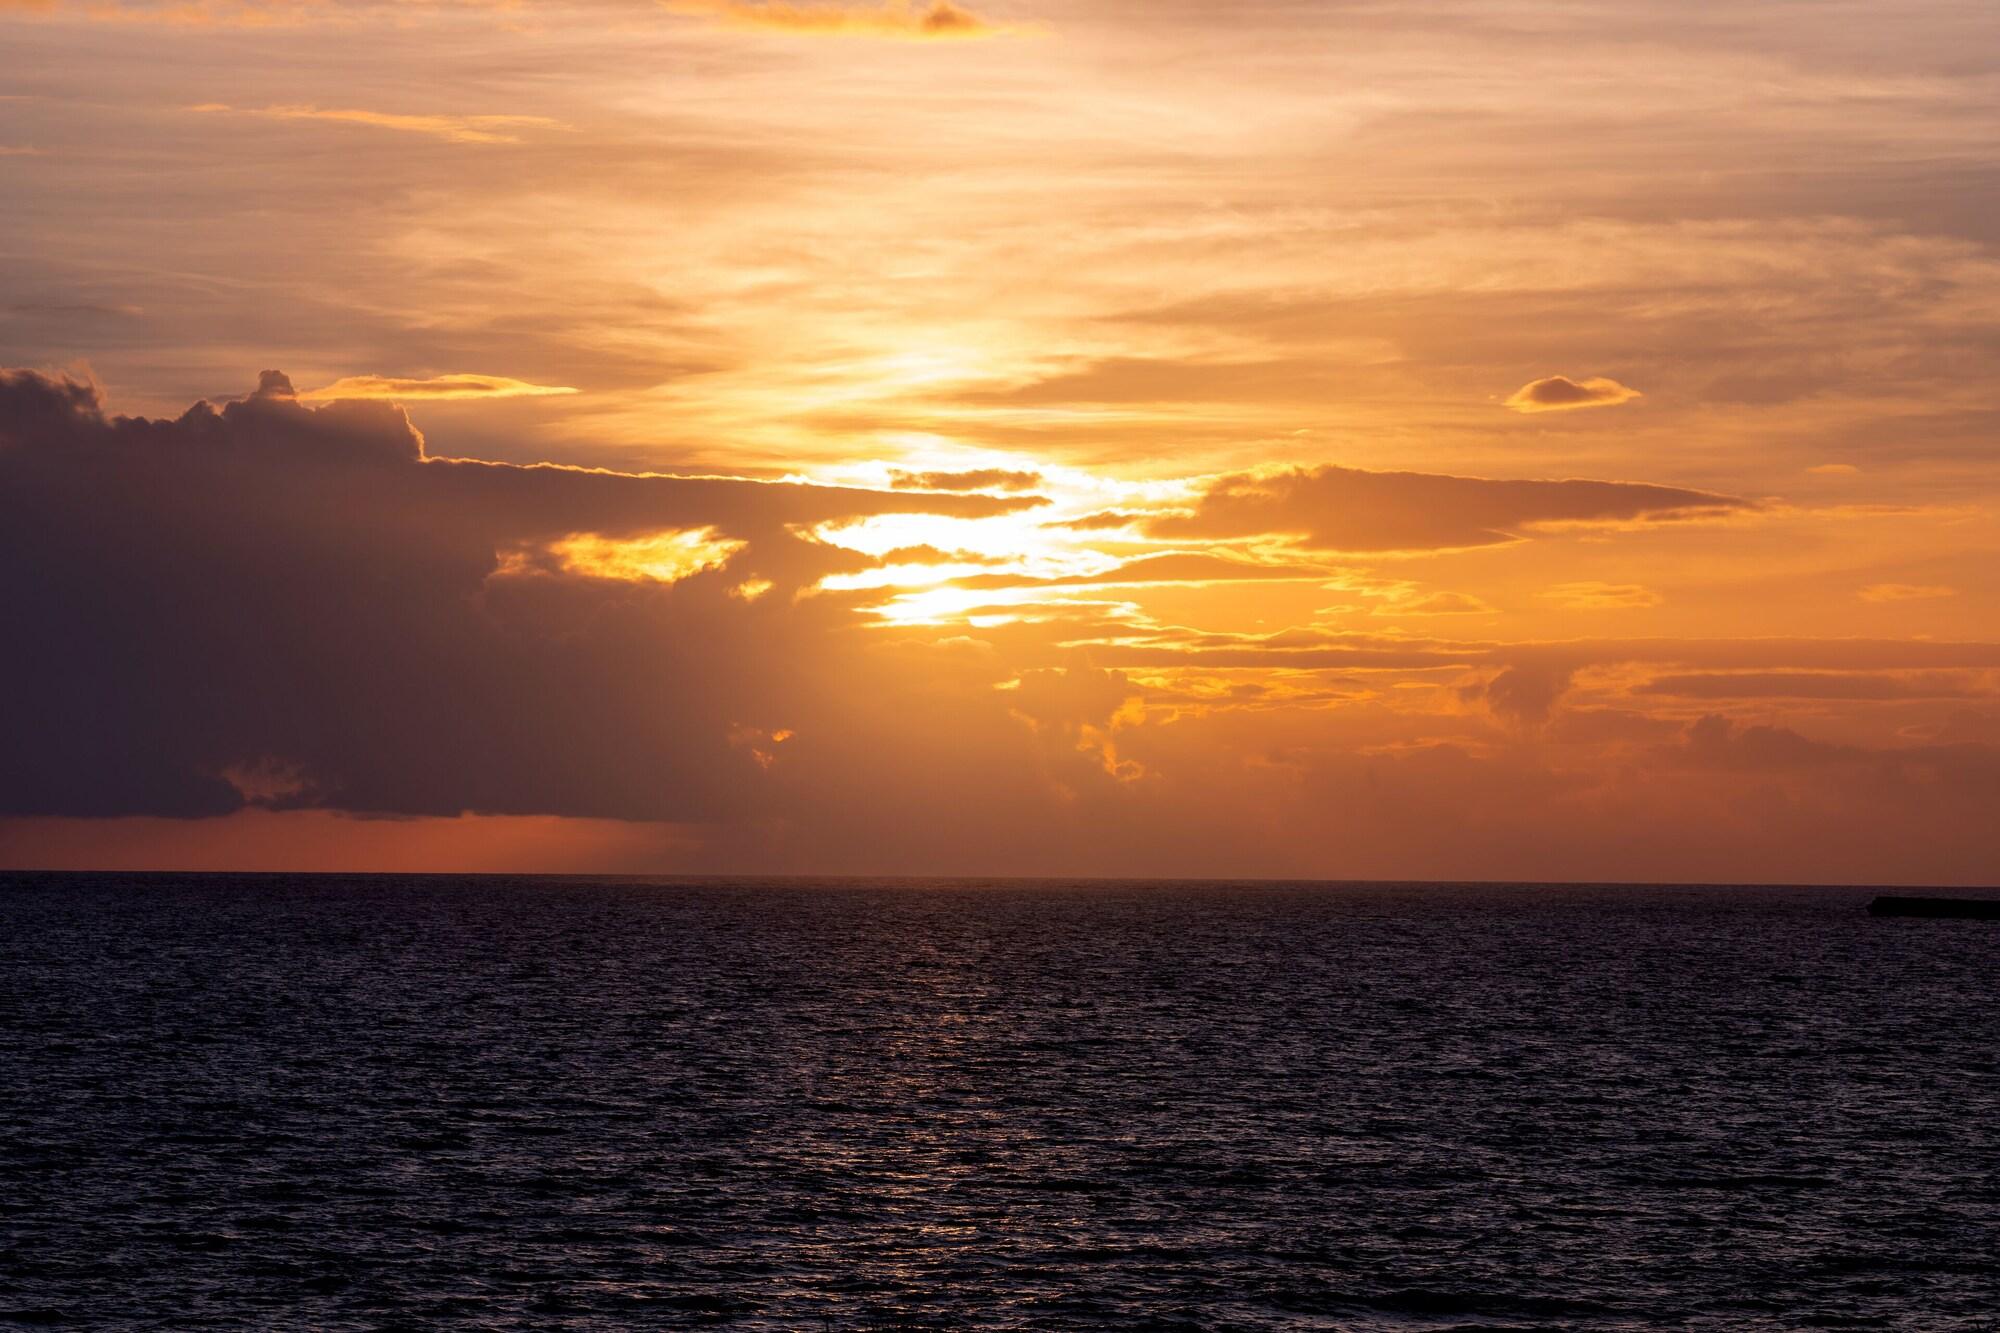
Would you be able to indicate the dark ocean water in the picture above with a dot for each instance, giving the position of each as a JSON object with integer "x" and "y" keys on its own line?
{"x": 368, "y": 1103}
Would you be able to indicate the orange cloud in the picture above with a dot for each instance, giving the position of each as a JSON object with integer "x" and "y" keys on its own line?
{"x": 976, "y": 479}
{"x": 1188, "y": 567}
{"x": 1346, "y": 509}
{"x": 1559, "y": 393}
{"x": 1108, "y": 520}
{"x": 663, "y": 557}
{"x": 436, "y": 388}
{"x": 1591, "y": 595}
{"x": 1437, "y": 604}
{"x": 452, "y": 129}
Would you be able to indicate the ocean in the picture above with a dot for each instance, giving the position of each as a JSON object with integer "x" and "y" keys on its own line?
{"x": 281, "y": 1102}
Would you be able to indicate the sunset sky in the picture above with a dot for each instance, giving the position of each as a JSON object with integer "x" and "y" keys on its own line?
{"x": 1495, "y": 440}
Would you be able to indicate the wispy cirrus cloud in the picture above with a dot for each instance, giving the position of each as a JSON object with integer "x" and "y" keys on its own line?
{"x": 1437, "y": 604}
{"x": 1592, "y": 595}
{"x": 481, "y": 129}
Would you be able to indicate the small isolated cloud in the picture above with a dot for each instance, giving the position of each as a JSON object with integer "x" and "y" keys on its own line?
{"x": 19, "y": 150}
{"x": 1834, "y": 470}
{"x": 1591, "y": 595}
{"x": 1559, "y": 393}
{"x": 434, "y": 389}
{"x": 977, "y": 479}
{"x": 937, "y": 20}
{"x": 452, "y": 129}
{"x": 1905, "y": 592}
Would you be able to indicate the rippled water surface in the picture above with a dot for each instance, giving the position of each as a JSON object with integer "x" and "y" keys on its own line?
{"x": 511, "y": 1103}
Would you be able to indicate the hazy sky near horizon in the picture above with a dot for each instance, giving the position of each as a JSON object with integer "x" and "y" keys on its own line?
{"x": 1291, "y": 437}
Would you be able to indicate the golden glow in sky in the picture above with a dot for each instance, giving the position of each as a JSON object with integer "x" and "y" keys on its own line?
{"x": 1490, "y": 440}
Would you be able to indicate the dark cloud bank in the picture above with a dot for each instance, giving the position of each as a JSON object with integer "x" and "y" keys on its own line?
{"x": 301, "y": 596}
{"x": 269, "y": 604}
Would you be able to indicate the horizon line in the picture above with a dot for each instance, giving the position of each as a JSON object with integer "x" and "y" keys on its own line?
{"x": 744, "y": 878}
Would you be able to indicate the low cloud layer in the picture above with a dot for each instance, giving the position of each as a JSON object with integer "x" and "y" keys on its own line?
{"x": 1346, "y": 509}
{"x": 265, "y": 618}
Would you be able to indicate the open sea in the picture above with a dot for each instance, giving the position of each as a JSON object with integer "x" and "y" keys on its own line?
{"x": 280, "y": 1102}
